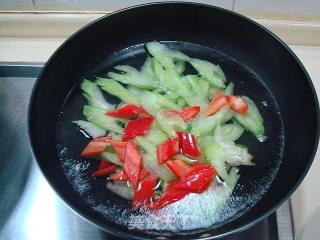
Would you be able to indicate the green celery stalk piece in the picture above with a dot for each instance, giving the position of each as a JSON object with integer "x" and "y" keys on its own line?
{"x": 151, "y": 161}
{"x": 229, "y": 89}
{"x": 203, "y": 125}
{"x": 228, "y": 132}
{"x": 213, "y": 73}
{"x": 252, "y": 120}
{"x": 90, "y": 128}
{"x": 94, "y": 95}
{"x": 152, "y": 101}
{"x": 116, "y": 89}
{"x": 111, "y": 157}
{"x": 132, "y": 76}
{"x": 97, "y": 117}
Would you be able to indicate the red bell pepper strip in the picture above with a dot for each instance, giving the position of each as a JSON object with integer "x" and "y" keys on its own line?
{"x": 104, "y": 164}
{"x": 145, "y": 194}
{"x": 119, "y": 176}
{"x": 186, "y": 113}
{"x": 167, "y": 149}
{"x": 219, "y": 101}
{"x": 197, "y": 166}
{"x": 128, "y": 111}
{"x": 189, "y": 112}
{"x": 137, "y": 127}
{"x": 179, "y": 167}
{"x": 170, "y": 196}
{"x": 95, "y": 147}
{"x": 132, "y": 164}
{"x": 119, "y": 148}
{"x": 238, "y": 104}
{"x": 104, "y": 169}
{"x": 196, "y": 181}
{"x": 188, "y": 145}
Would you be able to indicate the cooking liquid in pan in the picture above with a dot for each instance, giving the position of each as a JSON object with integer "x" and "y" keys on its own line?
{"x": 195, "y": 211}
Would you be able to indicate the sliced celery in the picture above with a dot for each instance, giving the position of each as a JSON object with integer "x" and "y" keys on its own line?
{"x": 147, "y": 69}
{"x": 181, "y": 102}
{"x": 121, "y": 188}
{"x": 229, "y": 89}
{"x": 111, "y": 157}
{"x": 94, "y": 95}
{"x": 213, "y": 73}
{"x": 216, "y": 157}
{"x": 156, "y": 136}
{"x": 165, "y": 76}
{"x": 116, "y": 89}
{"x": 205, "y": 87}
{"x": 170, "y": 124}
{"x": 181, "y": 66}
{"x": 98, "y": 118}
{"x": 132, "y": 76}
{"x": 164, "y": 54}
{"x": 212, "y": 92}
{"x": 203, "y": 125}
{"x": 115, "y": 136}
{"x": 90, "y": 128}
{"x": 152, "y": 101}
{"x": 198, "y": 98}
{"x": 222, "y": 154}
{"x": 252, "y": 120}
{"x": 151, "y": 161}
{"x": 228, "y": 132}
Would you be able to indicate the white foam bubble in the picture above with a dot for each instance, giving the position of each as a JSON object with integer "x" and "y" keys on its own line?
{"x": 75, "y": 170}
{"x": 264, "y": 103}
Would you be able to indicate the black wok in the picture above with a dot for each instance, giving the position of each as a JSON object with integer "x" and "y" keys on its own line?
{"x": 259, "y": 63}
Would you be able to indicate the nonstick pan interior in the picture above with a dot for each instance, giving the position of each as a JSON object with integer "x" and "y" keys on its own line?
{"x": 253, "y": 183}
{"x": 260, "y": 66}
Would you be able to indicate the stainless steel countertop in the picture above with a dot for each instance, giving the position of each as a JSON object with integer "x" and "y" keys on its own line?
{"x": 29, "y": 208}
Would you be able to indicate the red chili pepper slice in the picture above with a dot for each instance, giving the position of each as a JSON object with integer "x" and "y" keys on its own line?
{"x": 128, "y": 111}
{"x": 119, "y": 176}
{"x": 132, "y": 164}
{"x": 196, "y": 181}
{"x": 95, "y": 147}
{"x": 179, "y": 167}
{"x": 219, "y": 101}
{"x": 104, "y": 169}
{"x": 145, "y": 194}
{"x": 238, "y": 104}
{"x": 119, "y": 148}
{"x": 186, "y": 113}
{"x": 170, "y": 196}
{"x": 167, "y": 149}
{"x": 188, "y": 145}
{"x": 137, "y": 127}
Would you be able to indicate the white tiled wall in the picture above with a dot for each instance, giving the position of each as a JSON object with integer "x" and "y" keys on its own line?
{"x": 16, "y": 5}
{"x": 276, "y": 9}
{"x": 280, "y": 9}
{"x": 109, "y": 5}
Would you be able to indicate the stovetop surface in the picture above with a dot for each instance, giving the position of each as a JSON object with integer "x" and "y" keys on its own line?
{"x": 30, "y": 209}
